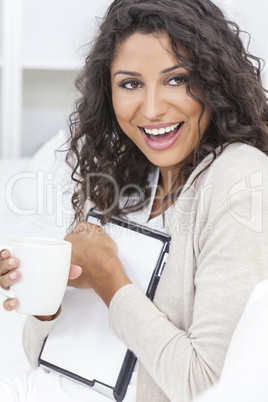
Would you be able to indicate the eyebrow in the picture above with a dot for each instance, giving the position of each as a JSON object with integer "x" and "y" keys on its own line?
{"x": 135, "y": 74}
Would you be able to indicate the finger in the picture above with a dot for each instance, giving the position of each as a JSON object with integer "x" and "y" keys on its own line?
{"x": 8, "y": 264}
{"x": 10, "y": 304}
{"x": 7, "y": 280}
{"x": 4, "y": 254}
{"x": 82, "y": 227}
{"x": 75, "y": 271}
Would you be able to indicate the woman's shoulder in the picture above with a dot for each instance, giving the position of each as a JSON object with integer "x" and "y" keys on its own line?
{"x": 241, "y": 153}
{"x": 236, "y": 178}
{"x": 237, "y": 171}
{"x": 236, "y": 162}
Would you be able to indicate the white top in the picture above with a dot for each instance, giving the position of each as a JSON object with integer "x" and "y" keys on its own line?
{"x": 141, "y": 217}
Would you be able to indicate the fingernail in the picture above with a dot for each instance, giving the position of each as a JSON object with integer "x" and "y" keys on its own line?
{"x": 3, "y": 253}
{"x": 13, "y": 276}
{"x": 11, "y": 261}
{"x": 81, "y": 227}
{"x": 12, "y": 303}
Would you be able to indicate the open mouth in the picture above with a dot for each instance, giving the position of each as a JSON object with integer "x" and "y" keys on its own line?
{"x": 162, "y": 133}
{"x": 161, "y": 138}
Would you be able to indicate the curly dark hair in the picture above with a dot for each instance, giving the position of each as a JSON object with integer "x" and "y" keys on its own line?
{"x": 226, "y": 76}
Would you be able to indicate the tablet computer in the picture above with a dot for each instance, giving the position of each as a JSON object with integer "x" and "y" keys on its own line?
{"x": 82, "y": 345}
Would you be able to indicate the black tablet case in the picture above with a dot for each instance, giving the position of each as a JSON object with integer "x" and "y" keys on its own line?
{"x": 109, "y": 371}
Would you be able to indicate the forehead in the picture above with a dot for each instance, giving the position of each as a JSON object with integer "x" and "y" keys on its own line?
{"x": 141, "y": 50}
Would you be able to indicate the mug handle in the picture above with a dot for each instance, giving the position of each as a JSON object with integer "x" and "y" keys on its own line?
{"x": 7, "y": 293}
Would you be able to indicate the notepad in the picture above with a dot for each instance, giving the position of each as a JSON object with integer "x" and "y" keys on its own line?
{"x": 82, "y": 346}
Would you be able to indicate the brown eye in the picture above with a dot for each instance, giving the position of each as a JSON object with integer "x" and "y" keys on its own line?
{"x": 134, "y": 84}
{"x": 131, "y": 84}
{"x": 176, "y": 81}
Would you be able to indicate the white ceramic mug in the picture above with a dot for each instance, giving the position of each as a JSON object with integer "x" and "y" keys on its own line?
{"x": 44, "y": 267}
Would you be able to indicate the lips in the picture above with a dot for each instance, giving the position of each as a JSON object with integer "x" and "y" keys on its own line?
{"x": 161, "y": 136}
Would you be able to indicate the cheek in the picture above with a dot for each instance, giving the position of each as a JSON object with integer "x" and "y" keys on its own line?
{"x": 121, "y": 114}
{"x": 122, "y": 118}
{"x": 118, "y": 103}
{"x": 124, "y": 110}
{"x": 192, "y": 108}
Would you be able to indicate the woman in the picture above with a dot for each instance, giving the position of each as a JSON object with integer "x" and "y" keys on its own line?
{"x": 171, "y": 130}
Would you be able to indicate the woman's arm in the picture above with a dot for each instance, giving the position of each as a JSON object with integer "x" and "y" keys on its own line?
{"x": 34, "y": 333}
{"x": 183, "y": 341}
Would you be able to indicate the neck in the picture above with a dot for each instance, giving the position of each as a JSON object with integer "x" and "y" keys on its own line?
{"x": 167, "y": 179}
{"x": 165, "y": 183}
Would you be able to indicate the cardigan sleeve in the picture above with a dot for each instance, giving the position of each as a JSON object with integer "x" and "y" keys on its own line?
{"x": 244, "y": 376}
{"x": 225, "y": 257}
{"x": 34, "y": 334}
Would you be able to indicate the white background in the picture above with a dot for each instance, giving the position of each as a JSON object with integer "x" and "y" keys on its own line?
{"x": 53, "y": 39}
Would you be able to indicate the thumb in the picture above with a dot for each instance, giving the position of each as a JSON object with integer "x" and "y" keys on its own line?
{"x": 75, "y": 271}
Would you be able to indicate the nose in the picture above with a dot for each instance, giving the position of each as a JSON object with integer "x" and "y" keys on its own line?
{"x": 153, "y": 104}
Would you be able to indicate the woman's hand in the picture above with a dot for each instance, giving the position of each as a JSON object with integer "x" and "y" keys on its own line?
{"x": 9, "y": 275}
{"x": 96, "y": 253}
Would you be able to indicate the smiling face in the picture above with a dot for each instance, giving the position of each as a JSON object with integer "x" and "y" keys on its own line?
{"x": 151, "y": 103}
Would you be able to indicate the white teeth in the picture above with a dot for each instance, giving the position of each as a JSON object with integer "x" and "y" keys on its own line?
{"x": 161, "y": 130}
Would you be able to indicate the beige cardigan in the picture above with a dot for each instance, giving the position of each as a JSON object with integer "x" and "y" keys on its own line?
{"x": 219, "y": 252}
